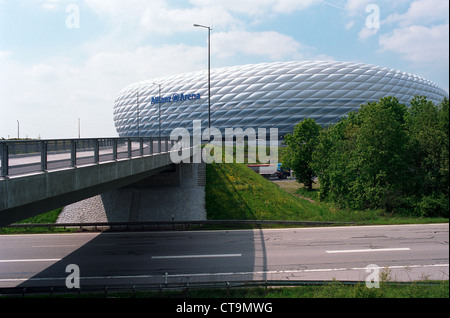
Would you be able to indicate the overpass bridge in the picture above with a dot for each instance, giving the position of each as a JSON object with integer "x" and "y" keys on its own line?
{"x": 37, "y": 176}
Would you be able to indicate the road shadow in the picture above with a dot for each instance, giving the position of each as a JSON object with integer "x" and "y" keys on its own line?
{"x": 148, "y": 258}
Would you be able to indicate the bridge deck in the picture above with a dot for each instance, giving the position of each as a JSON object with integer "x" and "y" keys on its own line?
{"x": 40, "y": 181}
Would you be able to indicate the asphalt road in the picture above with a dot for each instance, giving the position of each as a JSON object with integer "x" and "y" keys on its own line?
{"x": 405, "y": 253}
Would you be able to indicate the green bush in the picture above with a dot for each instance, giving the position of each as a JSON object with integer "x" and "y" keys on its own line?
{"x": 433, "y": 206}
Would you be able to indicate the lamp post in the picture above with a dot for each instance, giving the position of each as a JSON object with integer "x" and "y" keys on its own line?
{"x": 209, "y": 73}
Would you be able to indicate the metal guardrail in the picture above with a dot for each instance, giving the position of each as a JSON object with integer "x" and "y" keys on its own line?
{"x": 159, "y": 225}
{"x": 29, "y": 156}
{"x": 106, "y": 290}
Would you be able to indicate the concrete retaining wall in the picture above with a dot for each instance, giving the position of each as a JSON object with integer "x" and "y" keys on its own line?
{"x": 177, "y": 194}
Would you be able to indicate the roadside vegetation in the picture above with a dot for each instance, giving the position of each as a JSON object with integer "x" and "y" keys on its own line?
{"x": 48, "y": 217}
{"x": 234, "y": 191}
{"x": 332, "y": 289}
{"x": 385, "y": 157}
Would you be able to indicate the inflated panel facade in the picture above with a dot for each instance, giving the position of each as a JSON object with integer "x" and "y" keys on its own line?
{"x": 268, "y": 95}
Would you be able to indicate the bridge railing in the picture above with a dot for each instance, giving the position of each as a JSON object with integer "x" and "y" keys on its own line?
{"x": 18, "y": 157}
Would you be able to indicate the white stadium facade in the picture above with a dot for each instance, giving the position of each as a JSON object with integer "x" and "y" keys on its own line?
{"x": 269, "y": 95}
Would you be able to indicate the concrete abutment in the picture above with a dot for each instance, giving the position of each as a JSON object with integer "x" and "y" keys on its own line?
{"x": 176, "y": 194}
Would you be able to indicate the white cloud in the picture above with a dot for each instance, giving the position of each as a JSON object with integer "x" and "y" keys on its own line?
{"x": 249, "y": 8}
{"x": 272, "y": 45}
{"x": 162, "y": 16}
{"x": 51, "y": 95}
{"x": 420, "y": 34}
{"x": 52, "y": 4}
{"x": 419, "y": 43}
{"x": 119, "y": 15}
{"x": 255, "y": 8}
{"x": 349, "y": 25}
{"x": 5, "y": 55}
{"x": 422, "y": 12}
{"x": 288, "y": 6}
{"x": 356, "y": 7}
{"x": 366, "y": 33}
{"x": 146, "y": 62}
{"x": 164, "y": 20}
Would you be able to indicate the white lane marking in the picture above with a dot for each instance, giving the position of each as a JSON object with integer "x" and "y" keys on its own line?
{"x": 370, "y": 250}
{"x": 408, "y": 267}
{"x": 196, "y": 256}
{"x": 29, "y": 260}
{"x": 47, "y": 246}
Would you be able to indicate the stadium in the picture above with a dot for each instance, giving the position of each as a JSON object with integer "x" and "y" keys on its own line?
{"x": 268, "y": 95}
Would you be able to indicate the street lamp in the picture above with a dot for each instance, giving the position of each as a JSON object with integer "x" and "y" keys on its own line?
{"x": 209, "y": 73}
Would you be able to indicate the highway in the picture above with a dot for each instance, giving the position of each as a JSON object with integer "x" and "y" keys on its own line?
{"x": 405, "y": 253}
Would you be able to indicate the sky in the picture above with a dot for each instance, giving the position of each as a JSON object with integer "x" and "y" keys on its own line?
{"x": 64, "y": 62}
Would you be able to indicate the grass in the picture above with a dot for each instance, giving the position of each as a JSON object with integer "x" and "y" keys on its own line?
{"x": 233, "y": 191}
{"x": 48, "y": 217}
{"x": 333, "y": 289}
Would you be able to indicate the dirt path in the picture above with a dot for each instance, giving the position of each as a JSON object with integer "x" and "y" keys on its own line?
{"x": 291, "y": 186}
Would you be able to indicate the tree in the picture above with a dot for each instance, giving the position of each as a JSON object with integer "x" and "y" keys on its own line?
{"x": 388, "y": 156}
{"x": 427, "y": 125}
{"x": 381, "y": 155}
{"x": 333, "y": 161}
{"x": 360, "y": 161}
{"x": 300, "y": 148}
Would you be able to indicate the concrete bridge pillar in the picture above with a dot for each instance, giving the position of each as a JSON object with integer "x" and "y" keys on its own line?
{"x": 176, "y": 194}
